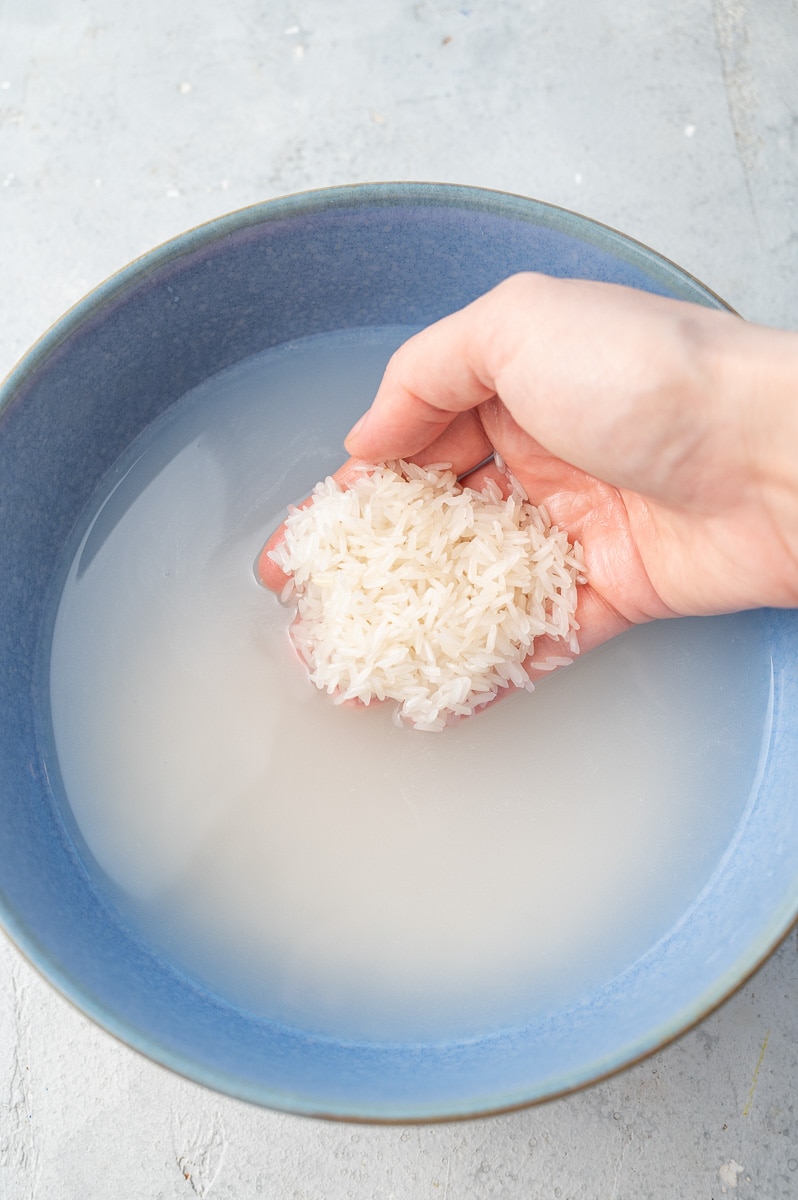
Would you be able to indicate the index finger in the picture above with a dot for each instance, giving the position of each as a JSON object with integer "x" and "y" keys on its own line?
{"x": 435, "y": 376}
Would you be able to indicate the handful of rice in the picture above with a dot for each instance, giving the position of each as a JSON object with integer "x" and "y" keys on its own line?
{"x": 409, "y": 587}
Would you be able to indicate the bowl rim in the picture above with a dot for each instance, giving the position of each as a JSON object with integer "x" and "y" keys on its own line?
{"x": 227, "y": 1085}
{"x": 389, "y": 193}
{"x": 356, "y": 195}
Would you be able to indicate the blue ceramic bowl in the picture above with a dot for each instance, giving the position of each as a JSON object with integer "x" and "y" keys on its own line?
{"x": 386, "y": 254}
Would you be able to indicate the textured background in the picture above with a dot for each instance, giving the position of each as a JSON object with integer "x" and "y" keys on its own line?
{"x": 121, "y": 125}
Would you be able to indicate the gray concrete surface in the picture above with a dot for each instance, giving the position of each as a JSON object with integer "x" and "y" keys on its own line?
{"x": 120, "y": 125}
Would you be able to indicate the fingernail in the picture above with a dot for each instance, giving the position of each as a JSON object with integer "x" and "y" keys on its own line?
{"x": 356, "y": 428}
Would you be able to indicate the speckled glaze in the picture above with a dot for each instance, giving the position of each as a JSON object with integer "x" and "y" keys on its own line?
{"x": 366, "y": 255}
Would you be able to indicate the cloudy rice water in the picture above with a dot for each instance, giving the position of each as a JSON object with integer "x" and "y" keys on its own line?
{"x": 314, "y": 862}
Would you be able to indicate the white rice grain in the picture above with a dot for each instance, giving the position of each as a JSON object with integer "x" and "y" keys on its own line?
{"x": 412, "y": 588}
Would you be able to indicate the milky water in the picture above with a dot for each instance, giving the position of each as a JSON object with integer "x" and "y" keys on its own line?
{"x": 317, "y": 864}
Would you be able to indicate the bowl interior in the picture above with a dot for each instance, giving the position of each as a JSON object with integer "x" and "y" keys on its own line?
{"x": 382, "y": 255}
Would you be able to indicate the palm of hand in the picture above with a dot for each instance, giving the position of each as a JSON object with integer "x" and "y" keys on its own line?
{"x": 618, "y": 593}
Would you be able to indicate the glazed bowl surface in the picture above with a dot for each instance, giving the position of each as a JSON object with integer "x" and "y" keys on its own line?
{"x": 340, "y": 259}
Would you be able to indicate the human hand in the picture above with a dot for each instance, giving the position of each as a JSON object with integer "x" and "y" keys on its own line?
{"x": 659, "y": 434}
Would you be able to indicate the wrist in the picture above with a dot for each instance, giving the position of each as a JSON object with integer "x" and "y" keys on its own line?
{"x": 759, "y": 368}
